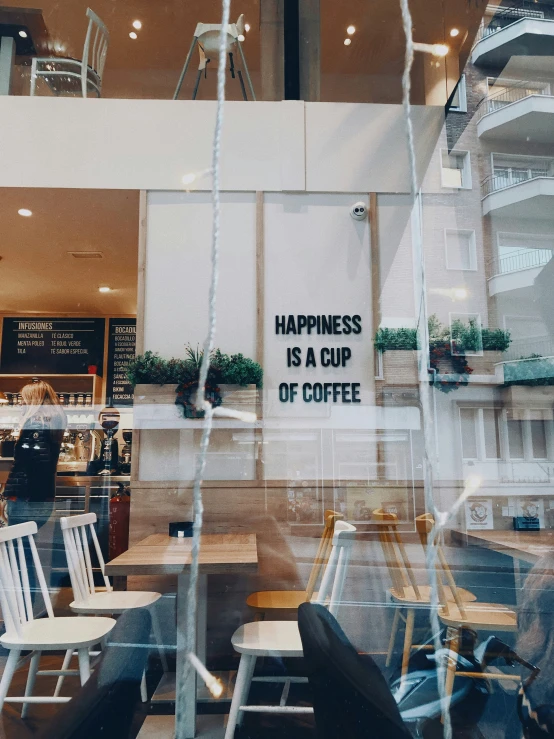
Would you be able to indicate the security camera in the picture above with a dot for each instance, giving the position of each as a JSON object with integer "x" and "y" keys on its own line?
{"x": 359, "y": 211}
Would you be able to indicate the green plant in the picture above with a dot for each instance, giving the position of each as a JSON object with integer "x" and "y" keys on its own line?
{"x": 395, "y": 338}
{"x": 237, "y": 369}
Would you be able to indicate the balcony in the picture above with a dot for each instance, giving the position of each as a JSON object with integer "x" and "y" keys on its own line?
{"x": 517, "y": 271}
{"x": 523, "y": 111}
{"x": 519, "y": 187}
{"x": 513, "y": 32}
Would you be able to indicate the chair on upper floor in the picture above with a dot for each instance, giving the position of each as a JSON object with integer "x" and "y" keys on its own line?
{"x": 76, "y": 532}
{"x": 282, "y": 639}
{"x": 405, "y": 593}
{"x": 24, "y": 632}
{"x": 289, "y": 600}
{"x": 65, "y": 76}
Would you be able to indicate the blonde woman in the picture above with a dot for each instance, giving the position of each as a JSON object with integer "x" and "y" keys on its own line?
{"x": 31, "y": 485}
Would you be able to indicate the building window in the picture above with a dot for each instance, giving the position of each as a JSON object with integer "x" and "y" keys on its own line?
{"x": 378, "y": 364}
{"x": 455, "y": 169}
{"x": 519, "y": 251}
{"x": 468, "y": 429}
{"x": 459, "y": 99}
{"x": 514, "y": 421}
{"x": 460, "y": 249}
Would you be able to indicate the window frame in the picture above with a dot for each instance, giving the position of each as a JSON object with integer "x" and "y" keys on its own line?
{"x": 466, "y": 178}
{"x": 472, "y": 246}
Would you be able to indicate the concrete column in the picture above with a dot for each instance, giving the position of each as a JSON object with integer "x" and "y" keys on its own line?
{"x": 272, "y": 49}
{"x": 310, "y": 50}
{"x": 7, "y": 58}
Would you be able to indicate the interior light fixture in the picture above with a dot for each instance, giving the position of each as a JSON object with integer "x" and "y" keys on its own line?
{"x": 454, "y": 32}
{"x": 104, "y": 289}
{"x": 25, "y": 212}
{"x": 440, "y": 50}
{"x": 247, "y": 27}
{"x": 350, "y": 30}
{"x": 347, "y": 41}
{"x": 188, "y": 179}
{"x": 434, "y": 49}
{"x": 241, "y": 37}
{"x": 23, "y": 34}
{"x": 137, "y": 25}
{"x": 460, "y": 293}
{"x": 133, "y": 35}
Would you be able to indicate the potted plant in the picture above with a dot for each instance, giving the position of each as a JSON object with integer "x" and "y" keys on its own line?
{"x": 232, "y": 380}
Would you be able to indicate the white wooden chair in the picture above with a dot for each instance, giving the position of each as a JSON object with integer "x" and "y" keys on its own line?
{"x": 24, "y": 632}
{"x": 88, "y": 600}
{"x": 206, "y": 35}
{"x": 74, "y": 76}
{"x": 282, "y": 638}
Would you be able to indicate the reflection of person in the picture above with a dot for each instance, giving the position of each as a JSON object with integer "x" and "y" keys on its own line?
{"x": 536, "y": 644}
{"x": 31, "y": 485}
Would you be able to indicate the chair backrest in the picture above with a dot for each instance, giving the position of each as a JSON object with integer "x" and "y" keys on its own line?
{"x": 396, "y": 557}
{"x": 208, "y": 35}
{"x": 15, "y": 592}
{"x": 96, "y": 45}
{"x": 105, "y": 705}
{"x": 445, "y": 579}
{"x": 324, "y": 550}
{"x": 350, "y": 696}
{"x": 76, "y": 531}
{"x": 334, "y": 575}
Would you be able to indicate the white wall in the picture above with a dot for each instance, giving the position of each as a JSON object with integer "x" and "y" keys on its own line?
{"x": 151, "y": 144}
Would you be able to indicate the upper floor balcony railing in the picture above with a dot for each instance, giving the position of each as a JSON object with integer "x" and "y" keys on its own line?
{"x": 520, "y": 260}
{"x": 504, "y": 17}
{"x": 511, "y": 93}
{"x": 518, "y": 170}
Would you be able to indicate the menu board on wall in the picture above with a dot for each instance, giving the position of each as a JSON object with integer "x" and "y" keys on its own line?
{"x": 122, "y": 341}
{"x": 52, "y": 346}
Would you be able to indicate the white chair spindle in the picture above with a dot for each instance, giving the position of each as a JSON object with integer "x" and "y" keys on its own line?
{"x": 18, "y": 588}
{"x": 101, "y": 562}
{"x": 25, "y": 577}
{"x": 40, "y": 577}
{"x": 88, "y": 563}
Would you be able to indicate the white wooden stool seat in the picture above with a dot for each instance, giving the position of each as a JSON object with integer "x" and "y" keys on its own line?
{"x": 282, "y": 638}
{"x": 117, "y": 601}
{"x": 268, "y": 638}
{"x": 59, "y": 632}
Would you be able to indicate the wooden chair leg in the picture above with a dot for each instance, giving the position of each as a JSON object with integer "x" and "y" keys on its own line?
{"x": 247, "y": 683}
{"x": 65, "y": 666}
{"x": 84, "y": 665}
{"x": 408, "y": 638}
{"x": 242, "y": 688}
{"x": 9, "y": 669}
{"x": 451, "y": 665}
{"x": 143, "y": 691}
{"x": 394, "y": 632}
{"x": 31, "y": 679}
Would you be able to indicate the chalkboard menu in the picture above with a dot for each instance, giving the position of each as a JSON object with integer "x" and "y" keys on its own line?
{"x": 52, "y": 346}
{"x": 122, "y": 341}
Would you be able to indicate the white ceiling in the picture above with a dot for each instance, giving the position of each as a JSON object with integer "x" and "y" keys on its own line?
{"x": 37, "y": 275}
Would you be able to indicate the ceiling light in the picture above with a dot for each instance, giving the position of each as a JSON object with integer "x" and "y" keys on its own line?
{"x": 350, "y": 30}
{"x": 247, "y": 27}
{"x": 188, "y": 179}
{"x": 460, "y": 293}
{"x": 133, "y": 35}
{"x": 454, "y": 32}
{"x": 137, "y": 25}
{"x": 23, "y": 34}
{"x": 440, "y": 50}
{"x": 25, "y": 212}
{"x": 241, "y": 37}
{"x": 347, "y": 41}
{"x": 104, "y": 289}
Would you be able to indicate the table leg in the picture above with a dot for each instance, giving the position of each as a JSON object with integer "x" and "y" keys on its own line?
{"x": 7, "y": 60}
{"x": 185, "y": 699}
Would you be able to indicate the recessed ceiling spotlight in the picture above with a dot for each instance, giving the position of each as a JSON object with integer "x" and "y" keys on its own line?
{"x": 137, "y": 25}
{"x": 454, "y": 32}
{"x": 247, "y": 27}
{"x": 241, "y": 37}
{"x": 350, "y": 30}
{"x": 133, "y": 35}
{"x": 25, "y": 212}
{"x": 104, "y": 289}
{"x": 23, "y": 34}
{"x": 347, "y": 41}
{"x": 439, "y": 50}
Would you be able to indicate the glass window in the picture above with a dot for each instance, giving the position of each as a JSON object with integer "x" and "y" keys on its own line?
{"x": 515, "y": 434}
{"x": 468, "y": 429}
{"x": 455, "y": 169}
{"x": 491, "y": 433}
{"x": 460, "y": 249}
{"x": 459, "y": 101}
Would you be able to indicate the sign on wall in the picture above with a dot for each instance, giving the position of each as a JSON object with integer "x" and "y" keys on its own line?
{"x": 122, "y": 340}
{"x": 51, "y": 346}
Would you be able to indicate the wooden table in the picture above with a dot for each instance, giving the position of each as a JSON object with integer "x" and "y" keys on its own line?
{"x": 529, "y": 546}
{"x": 160, "y": 554}
{"x": 22, "y": 32}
